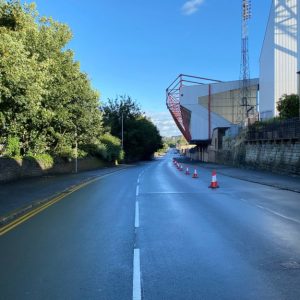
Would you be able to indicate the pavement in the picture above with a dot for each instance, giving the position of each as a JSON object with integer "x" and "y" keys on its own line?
{"x": 20, "y": 196}
{"x": 284, "y": 182}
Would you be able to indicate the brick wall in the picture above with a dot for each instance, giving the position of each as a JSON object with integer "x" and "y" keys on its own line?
{"x": 12, "y": 169}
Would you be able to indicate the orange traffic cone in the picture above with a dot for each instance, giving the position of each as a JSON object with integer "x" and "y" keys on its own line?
{"x": 195, "y": 175}
{"x": 187, "y": 172}
{"x": 181, "y": 168}
{"x": 214, "y": 182}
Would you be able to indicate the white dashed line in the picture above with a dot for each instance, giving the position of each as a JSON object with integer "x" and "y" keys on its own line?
{"x": 137, "y": 215}
{"x": 136, "y": 291}
{"x": 137, "y": 191}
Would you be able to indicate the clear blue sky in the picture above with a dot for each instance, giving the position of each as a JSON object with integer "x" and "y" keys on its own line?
{"x": 137, "y": 47}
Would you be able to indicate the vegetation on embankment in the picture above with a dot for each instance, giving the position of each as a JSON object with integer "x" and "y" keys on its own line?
{"x": 48, "y": 107}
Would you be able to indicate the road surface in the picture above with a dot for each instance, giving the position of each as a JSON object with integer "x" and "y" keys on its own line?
{"x": 152, "y": 232}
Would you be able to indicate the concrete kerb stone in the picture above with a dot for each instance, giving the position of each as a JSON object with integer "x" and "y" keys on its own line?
{"x": 8, "y": 218}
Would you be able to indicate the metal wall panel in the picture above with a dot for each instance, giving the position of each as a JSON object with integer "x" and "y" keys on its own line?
{"x": 286, "y": 55}
{"x": 266, "y": 76}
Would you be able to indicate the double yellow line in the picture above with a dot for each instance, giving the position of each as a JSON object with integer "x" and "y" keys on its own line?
{"x": 39, "y": 209}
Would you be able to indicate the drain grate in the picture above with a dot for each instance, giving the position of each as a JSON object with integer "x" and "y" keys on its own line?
{"x": 291, "y": 265}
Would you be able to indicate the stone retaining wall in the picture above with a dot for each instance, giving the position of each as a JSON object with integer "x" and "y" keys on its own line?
{"x": 12, "y": 169}
{"x": 282, "y": 156}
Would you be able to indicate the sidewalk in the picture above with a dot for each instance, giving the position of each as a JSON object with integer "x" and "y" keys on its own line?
{"x": 284, "y": 182}
{"x": 20, "y": 196}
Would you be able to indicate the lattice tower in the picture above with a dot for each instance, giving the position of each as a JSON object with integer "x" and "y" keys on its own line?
{"x": 244, "y": 107}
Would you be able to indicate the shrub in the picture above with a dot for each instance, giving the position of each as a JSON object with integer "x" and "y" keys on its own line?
{"x": 288, "y": 106}
{"x": 113, "y": 150}
{"x": 12, "y": 148}
{"x": 45, "y": 159}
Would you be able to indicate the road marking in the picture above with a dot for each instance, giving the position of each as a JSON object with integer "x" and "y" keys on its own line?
{"x": 136, "y": 291}
{"x": 137, "y": 190}
{"x": 278, "y": 214}
{"x": 137, "y": 215}
{"x": 30, "y": 214}
{"x": 138, "y": 181}
{"x": 39, "y": 209}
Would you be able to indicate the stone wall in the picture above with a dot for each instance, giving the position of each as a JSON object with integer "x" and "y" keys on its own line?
{"x": 281, "y": 156}
{"x": 12, "y": 169}
{"x": 278, "y": 156}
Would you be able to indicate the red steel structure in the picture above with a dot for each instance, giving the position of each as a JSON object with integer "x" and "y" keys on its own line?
{"x": 180, "y": 114}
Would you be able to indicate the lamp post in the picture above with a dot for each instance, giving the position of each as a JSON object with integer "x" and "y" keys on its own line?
{"x": 298, "y": 77}
{"x": 76, "y": 150}
{"x": 122, "y": 134}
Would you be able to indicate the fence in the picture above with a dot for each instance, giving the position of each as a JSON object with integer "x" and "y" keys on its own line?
{"x": 278, "y": 129}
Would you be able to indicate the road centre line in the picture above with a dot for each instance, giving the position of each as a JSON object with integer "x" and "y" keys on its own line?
{"x": 137, "y": 215}
{"x": 137, "y": 190}
{"x": 136, "y": 289}
{"x": 39, "y": 209}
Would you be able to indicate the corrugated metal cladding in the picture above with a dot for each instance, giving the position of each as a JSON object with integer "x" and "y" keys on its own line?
{"x": 298, "y": 33}
{"x": 286, "y": 55}
{"x": 280, "y": 60}
{"x": 266, "y": 72}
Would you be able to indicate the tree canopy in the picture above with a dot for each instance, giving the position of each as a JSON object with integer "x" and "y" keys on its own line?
{"x": 45, "y": 100}
{"x": 288, "y": 106}
{"x": 141, "y": 137}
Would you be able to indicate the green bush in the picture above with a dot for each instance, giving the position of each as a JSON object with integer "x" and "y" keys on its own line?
{"x": 12, "y": 148}
{"x": 45, "y": 159}
{"x": 113, "y": 150}
{"x": 288, "y": 106}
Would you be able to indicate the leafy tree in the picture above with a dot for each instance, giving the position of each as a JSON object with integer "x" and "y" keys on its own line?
{"x": 141, "y": 137}
{"x": 288, "y": 106}
{"x": 13, "y": 147}
{"x": 45, "y": 100}
{"x": 113, "y": 150}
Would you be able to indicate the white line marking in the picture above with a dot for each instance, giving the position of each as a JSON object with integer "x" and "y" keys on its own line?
{"x": 278, "y": 214}
{"x": 138, "y": 181}
{"x": 136, "y": 291}
{"x": 137, "y": 190}
{"x": 137, "y": 215}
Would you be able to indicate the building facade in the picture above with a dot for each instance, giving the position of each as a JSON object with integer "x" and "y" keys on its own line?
{"x": 200, "y": 107}
{"x": 279, "y": 60}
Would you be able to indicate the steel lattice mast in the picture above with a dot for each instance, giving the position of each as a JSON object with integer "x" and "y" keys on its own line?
{"x": 245, "y": 108}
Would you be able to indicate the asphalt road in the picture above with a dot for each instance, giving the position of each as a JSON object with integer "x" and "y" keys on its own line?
{"x": 151, "y": 232}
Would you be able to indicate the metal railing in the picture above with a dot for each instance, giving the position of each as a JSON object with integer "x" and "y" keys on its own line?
{"x": 276, "y": 130}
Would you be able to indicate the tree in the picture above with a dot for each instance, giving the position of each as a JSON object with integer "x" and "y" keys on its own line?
{"x": 141, "y": 137}
{"x": 45, "y": 100}
{"x": 113, "y": 150}
{"x": 288, "y": 106}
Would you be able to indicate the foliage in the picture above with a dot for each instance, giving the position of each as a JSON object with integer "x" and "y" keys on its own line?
{"x": 113, "y": 150}
{"x": 13, "y": 147}
{"x": 175, "y": 141}
{"x": 288, "y": 106}
{"x": 45, "y": 100}
{"x": 45, "y": 159}
{"x": 164, "y": 149}
{"x": 141, "y": 137}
